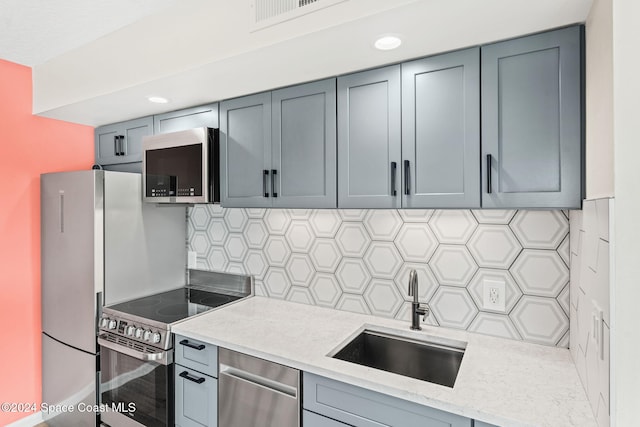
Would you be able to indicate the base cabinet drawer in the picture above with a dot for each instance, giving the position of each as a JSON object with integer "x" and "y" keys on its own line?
{"x": 359, "y": 407}
{"x": 196, "y": 398}
{"x": 310, "y": 419}
{"x": 197, "y": 355}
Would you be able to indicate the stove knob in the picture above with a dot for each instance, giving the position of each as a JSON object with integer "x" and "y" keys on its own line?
{"x": 139, "y": 333}
{"x": 147, "y": 335}
{"x": 155, "y": 338}
{"x": 131, "y": 330}
{"x": 112, "y": 324}
{"x": 104, "y": 322}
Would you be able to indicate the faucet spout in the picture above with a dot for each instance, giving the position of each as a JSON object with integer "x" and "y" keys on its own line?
{"x": 417, "y": 309}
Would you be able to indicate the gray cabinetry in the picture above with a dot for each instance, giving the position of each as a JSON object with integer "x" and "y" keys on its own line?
{"x": 278, "y": 149}
{"x": 360, "y": 407}
{"x": 206, "y": 115}
{"x": 303, "y": 129}
{"x": 532, "y": 121}
{"x": 310, "y": 419}
{"x": 120, "y": 143}
{"x": 369, "y": 150}
{"x": 441, "y": 131}
{"x": 196, "y": 385}
{"x": 245, "y": 151}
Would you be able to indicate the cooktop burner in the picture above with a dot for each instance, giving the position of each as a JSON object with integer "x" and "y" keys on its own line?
{"x": 171, "y": 306}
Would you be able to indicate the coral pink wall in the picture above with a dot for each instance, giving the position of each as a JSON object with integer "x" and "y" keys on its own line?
{"x": 29, "y": 146}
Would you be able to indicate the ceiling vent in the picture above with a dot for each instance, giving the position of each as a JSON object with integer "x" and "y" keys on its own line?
{"x": 265, "y": 13}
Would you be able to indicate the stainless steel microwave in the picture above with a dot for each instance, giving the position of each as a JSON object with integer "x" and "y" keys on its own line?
{"x": 181, "y": 167}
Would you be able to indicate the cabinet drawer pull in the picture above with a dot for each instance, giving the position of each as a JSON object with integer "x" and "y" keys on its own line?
{"x": 393, "y": 178}
{"x": 122, "y": 151}
{"x": 489, "y": 173}
{"x": 265, "y": 178}
{"x": 116, "y": 148}
{"x": 274, "y": 172}
{"x": 407, "y": 189}
{"x": 186, "y": 376}
{"x": 193, "y": 346}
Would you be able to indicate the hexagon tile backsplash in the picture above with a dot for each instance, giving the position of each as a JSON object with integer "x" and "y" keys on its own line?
{"x": 359, "y": 260}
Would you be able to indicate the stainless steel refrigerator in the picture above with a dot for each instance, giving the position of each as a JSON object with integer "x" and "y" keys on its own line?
{"x": 100, "y": 245}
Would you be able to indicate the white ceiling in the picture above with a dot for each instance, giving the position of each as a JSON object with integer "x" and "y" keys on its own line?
{"x": 96, "y": 62}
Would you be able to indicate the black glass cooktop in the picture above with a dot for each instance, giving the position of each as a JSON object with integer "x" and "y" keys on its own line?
{"x": 171, "y": 306}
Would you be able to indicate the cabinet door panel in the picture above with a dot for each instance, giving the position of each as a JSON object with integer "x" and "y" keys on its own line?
{"x": 531, "y": 121}
{"x": 206, "y": 115}
{"x": 245, "y": 150}
{"x": 369, "y": 139}
{"x": 128, "y": 148}
{"x": 304, "y": 145}
{"x": 196, "y": 399}
{"x": 441, "y": 130}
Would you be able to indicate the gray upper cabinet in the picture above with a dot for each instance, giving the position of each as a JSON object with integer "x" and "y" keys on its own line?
{"x": 369, "y": 139}
{"x": 278, "y": 149}
{"x": 441, "y": 131}
{"x": 121, "y": 142}
{"x": 245, "y": 151}
{"x": 303, "y": 130}
{"x": 532, "y": 121}
{"x": 206, "y": 115}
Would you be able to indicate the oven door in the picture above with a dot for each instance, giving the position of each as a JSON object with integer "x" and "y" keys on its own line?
{"x": 136, "y": 388}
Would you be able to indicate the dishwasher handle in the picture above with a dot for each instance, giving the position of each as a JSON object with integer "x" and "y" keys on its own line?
{"x": 259, "y": 381}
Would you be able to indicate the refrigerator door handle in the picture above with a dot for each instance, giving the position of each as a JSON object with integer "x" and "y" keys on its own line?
{"x": 163, "y": 357}
{"x": 61, "y": 205}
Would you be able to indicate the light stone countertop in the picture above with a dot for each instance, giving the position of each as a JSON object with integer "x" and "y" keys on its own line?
{"x": 502, "y": 382}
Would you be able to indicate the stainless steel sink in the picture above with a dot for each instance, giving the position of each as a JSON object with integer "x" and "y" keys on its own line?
{"x": 425, "y": 361}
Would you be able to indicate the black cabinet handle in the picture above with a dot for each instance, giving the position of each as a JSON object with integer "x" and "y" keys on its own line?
{"x": 122, "y": 146}
{"x": 194, "y": 346}
{"x": 393, "y": 178}
{"x": 186, "y": 376}
{"x": 265, "y": 177}
{"x": 274, "y": 172}
{"x": 407, "y": 189}
{"x": 116, "y": 148}
{"x": 489, "y": 173}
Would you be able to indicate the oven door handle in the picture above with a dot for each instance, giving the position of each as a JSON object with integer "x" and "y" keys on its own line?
{"x": 162, "y": 357}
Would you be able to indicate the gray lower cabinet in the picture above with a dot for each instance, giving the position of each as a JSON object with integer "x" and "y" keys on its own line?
{"x": 196, "y": 385}
{"x": 174, "y": 121}
{"x": 360, "y": 407}
{"x": 369, "y": 139}
{"x": 532, "y": 121}
{"x": 278, "y": 149}
{"x": 120, "y": 143}
{"x": 441, "y": 131}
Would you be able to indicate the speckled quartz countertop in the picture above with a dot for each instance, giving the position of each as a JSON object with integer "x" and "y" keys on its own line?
{"x": 502, "y": 382}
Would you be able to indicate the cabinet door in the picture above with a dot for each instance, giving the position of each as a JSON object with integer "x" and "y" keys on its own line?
{"x": 369, "y": 139}
{"x": 310, "y": 419}
{"x": 245, "y": 151}
{"x": 441, "y": 131}
{"x": 531, "y": 121}
{"x": 303, "y": 171}
{"x": 122, "y": 142}
{"x": 206, "y": 115}
{"x": 196, "y": 399}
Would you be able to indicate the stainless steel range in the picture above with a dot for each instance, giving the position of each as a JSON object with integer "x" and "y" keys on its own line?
{"x": 136, "y": 347}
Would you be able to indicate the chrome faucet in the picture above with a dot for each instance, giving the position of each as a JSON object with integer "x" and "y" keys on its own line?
{"x": 417, "y": 309}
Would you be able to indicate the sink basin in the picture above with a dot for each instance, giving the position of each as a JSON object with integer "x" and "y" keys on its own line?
{"x": 435, "y": 363}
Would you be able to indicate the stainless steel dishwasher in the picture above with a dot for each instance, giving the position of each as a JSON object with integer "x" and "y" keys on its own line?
{"x": 254, "y": 392}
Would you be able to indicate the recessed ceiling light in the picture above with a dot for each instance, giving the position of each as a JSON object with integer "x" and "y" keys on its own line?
{"x": 387, "y": 42}
{"x": 158, "y": 99}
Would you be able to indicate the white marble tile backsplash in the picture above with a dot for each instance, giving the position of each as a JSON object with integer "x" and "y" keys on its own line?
{"x": 359, "y": 260}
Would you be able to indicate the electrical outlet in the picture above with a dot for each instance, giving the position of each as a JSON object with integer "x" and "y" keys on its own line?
{"x": 494, "y": 295}
{"x": 192, "y": 259}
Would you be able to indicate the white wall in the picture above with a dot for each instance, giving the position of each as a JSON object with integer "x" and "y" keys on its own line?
{"x": 599, "y": 99}
{"x": 625, "y": 385}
